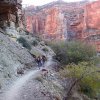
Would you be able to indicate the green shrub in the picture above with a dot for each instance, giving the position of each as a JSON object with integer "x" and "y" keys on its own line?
{"x": 45, "y": 49}
{"x": 96, "y": 60}
{"x": 24, "y": 43}
{"x": 88, "y": 76}
{"x": 72, "y": 52}
{"x": 86, "y": 89}
{"x": 40, "y": 79}
{"x": 34, "y": 42}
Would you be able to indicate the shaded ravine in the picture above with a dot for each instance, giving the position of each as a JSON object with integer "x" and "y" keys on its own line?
{"x": 14, "y": 92}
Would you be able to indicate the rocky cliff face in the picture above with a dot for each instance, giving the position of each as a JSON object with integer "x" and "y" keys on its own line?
{"x": 59, "y": 20}
{"x": 92, "y": 12}
{"x": 11, "y": 16}
{"x": 55, "y": 20}
{"x": 91, "y": 24}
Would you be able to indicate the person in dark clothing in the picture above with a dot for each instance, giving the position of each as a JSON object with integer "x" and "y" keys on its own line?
{"x": 44, "y": 59}
{"x": 39, "y": 62}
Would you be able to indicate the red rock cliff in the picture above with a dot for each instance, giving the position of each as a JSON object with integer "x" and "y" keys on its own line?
{"x": 55, "y": 20}
{"x": 91, "y": 24}
{"x": 71, "y": 21}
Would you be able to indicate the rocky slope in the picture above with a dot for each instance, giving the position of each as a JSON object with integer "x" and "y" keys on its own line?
{"x": 12, "y": 57}
{"x": 16, "y": 60}
{"x": 32, "y": 84}
{"x": 60, "y": 20}
{"x": 19, "y": 77}
{"x": 35, "y": 86}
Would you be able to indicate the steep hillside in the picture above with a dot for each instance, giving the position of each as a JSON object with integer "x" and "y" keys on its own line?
{"x": 12, "y": 57}
{"x": 21, "y": 76}
{"x": 16, "y": 60}
{"x": 17, "y": 51}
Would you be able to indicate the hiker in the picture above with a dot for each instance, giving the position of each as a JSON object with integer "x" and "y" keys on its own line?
{"x": 44, "y": 73}
{"x": 39, "y": 62}
{"x": 44, "y": 59}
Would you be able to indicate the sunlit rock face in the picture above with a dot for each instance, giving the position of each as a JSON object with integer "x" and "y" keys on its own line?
{"x": 71, "y": 21}
{"x": 52, "y": 20}
{"x": 91, "y": 18}
{"x": 93, "y": 15}
{"x": 57, "y": 20}
{"x": 55, "y": 24}
{"x": 91, "y": 31}
{"x": 49, "y": 23}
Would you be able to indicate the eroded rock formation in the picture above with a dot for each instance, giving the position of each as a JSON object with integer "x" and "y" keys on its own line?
{"x": 91, "y": 24}
{"x": 11, "y": 16}
{"x": 56, "y": 20}
{"x": 59, "y": 20}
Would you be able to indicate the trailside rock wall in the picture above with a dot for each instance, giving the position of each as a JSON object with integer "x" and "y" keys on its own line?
{"x": 12, "y": 57}
{"x": 11, "y": 16}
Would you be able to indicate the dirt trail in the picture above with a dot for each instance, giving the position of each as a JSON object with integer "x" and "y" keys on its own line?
{"x": 14, "y": 92}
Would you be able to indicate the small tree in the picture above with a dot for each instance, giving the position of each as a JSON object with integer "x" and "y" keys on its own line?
{"x": 24, "y": 43}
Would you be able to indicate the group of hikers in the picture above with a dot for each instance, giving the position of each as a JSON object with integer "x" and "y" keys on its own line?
{"x": 40, "y": 60}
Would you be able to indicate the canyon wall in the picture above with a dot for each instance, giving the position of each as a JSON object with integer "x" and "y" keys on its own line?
{"x": 91, "y": 24}
{"x": 11, "y": 15}
{"x": 71, "y": 21}
{"x": 56, "y": 20}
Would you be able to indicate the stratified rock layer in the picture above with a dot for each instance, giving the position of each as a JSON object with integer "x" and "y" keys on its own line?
{"x": 91, "y": 31}
{"x": 57, "y": 20}
{"x": 60, "y": 20}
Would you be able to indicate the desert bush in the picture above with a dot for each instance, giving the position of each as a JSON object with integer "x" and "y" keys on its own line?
{"x": 72, "y": 52}
{"x": 96, "y": 60}
{"x": 45, "y": 49}
{"x": 24, "y": 43}
{"x": 86, "y": 76}
{"x": 86, "y": 89}
{"x": 34, "y": 42}
{"x": 40, "y": 79}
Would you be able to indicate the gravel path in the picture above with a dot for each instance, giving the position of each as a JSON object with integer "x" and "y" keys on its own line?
{"x": 30, "y": 86}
